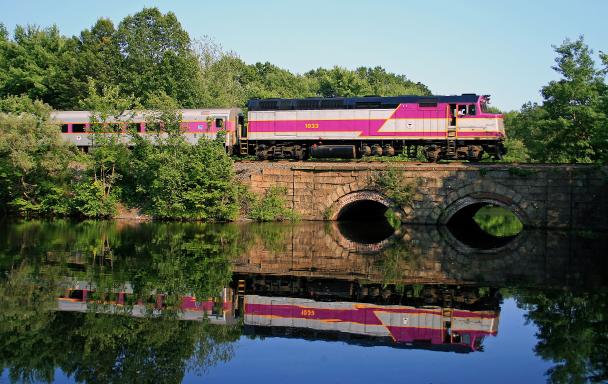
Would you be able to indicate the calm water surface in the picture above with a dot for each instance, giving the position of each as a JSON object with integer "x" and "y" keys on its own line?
{"x": 114, "y": 302}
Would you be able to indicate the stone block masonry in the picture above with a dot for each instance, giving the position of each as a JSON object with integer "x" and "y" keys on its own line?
{"x": 542, "y": 196}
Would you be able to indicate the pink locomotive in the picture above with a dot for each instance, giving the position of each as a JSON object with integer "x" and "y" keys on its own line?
{"x": 446, "y": 127}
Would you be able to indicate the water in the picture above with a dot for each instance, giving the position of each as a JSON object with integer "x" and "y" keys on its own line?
{"x": 325, "y": 302}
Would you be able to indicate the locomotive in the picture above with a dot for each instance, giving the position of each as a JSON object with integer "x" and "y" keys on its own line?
{"x": 444, "y": 127}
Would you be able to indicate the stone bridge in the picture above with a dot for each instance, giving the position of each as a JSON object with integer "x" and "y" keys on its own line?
{"x": 542, "y": 196}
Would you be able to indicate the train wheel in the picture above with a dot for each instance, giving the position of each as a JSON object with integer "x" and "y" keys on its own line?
{"x": 432, "y": 153}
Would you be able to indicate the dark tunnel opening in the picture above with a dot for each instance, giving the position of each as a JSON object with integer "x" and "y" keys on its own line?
{"x": 484, "y": 226}
{"x": 364, "y": 222}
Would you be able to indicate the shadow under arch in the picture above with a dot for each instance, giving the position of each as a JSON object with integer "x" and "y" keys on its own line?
{"x": 360, "y": 219}
{"x": 363, "y": 202}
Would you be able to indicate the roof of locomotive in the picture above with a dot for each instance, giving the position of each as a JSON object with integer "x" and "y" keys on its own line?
{"x": 371, "y": 102}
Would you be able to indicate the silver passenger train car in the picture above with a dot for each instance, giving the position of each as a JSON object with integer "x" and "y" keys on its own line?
{"x": 77, "y": 128}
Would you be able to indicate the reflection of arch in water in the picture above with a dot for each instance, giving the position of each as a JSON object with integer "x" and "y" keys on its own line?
{"x": 347, "y": 236}
{"x": 503, "y": 247}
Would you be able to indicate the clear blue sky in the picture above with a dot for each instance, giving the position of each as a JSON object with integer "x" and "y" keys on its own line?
{"x": 498, "y": 47}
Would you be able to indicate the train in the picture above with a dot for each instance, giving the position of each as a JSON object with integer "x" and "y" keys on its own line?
{"x": 459, "y": 127}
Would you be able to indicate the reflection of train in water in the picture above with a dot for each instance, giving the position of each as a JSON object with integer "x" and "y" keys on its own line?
{"x": 83, "y": 297}
{"x": 437, "y": 317}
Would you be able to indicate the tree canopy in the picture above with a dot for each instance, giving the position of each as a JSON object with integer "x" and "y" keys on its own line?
{"x": 571, "y": 124}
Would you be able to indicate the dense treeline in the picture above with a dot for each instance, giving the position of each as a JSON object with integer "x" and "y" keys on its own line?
{"x": 150, "y": 53}
{"x": 149, "y": 62}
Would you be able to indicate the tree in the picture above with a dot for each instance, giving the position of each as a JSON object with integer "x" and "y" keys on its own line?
{"x": 384, "y": 83}
{"x": 572, "y": 332}
{"x": 34, "y": 161}
{"x": 96, "y": 195}
{"x": 570, "y": 125}
{"x": 339, "y": 81}
{"x": 156, "y": 56}
{"x": 29, "y": 62}
{"x": 95, "y": 54}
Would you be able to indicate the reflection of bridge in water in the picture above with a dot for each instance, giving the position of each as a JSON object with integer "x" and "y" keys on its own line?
{"x": 423, "y": 254}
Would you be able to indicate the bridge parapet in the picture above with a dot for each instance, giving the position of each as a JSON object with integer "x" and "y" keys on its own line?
{"x": 542, "y": 196}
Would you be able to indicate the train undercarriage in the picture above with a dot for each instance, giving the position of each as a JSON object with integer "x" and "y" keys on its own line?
{"x": 431, "y": 151}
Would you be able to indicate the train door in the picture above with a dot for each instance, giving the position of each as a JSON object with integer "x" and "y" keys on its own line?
{"x": 241, "y": 132}
{"x": 453, "y": 116}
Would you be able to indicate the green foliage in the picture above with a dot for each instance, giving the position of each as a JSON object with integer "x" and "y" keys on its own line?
{"x": 90, "y": 200}
{"x": 29, "y": 63}
{"x": 570, "y": 125}
{"x": 394, "y": 185}
{"x": 176, "y": 180}
{"x": 272, "y": 206}
{"x": 176, "y": 259}
{"x": 34, "y": 165}
{"x": 498, "y": 221}
{"x": 156, "y": 57}
{"x": 571, "y": 332}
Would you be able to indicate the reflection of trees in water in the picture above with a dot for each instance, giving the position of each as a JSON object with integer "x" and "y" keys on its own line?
{"x": 113, "y": 348}
{"x": 37, "y": 261}
{"x": 572, "y": 332}
{"x": 394, "y": 259}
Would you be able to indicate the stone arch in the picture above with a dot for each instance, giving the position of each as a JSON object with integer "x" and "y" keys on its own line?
{"x": 362, "y": 195}
{"x": 481, "y": 193}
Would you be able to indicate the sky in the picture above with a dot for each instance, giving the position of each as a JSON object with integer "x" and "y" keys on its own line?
{"x": 502, "y": 48}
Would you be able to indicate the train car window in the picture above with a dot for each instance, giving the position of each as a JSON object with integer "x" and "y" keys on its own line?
{"x": 114, "y": 127}
{"x": 219, "y": 123}
{"x": 154, "y": 127}
{"x": 134, "y": 127}
{"x": 472, "y": 110}
{"x": 96, "y": 127}
{"x": 78, "y": 128}
{"x": 64, "y": 128}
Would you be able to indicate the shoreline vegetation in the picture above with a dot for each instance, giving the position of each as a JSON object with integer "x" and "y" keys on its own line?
{"x": 149, "y": 62}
